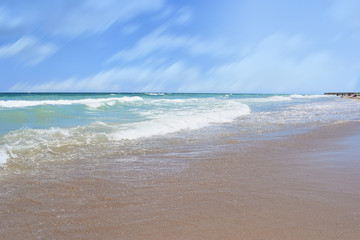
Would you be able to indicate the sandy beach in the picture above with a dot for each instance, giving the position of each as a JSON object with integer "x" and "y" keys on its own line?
{"x": 352, "y": 98}
{"x": 299, "y": 187}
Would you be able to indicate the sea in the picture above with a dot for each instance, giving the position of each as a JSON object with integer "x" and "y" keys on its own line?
{"x": 51, "y": 129}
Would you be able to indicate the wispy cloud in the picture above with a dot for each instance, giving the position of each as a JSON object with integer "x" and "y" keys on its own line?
{"x": 94, "y": 16}
{"x": 278, "y": 63}
{"x": 73, "y": 18}
{"x": 6, "y": 21}
{"x": 62, "y": 18}
{"x": 28, "y": 50}
{"x": 163, "y": 43}
{"x": 168, "y": 57}
{"x": 184, "y": 16}
{"x": 281, "y": 63}
{"x": 175, "y": 16}
{"x": 135, "y": 78}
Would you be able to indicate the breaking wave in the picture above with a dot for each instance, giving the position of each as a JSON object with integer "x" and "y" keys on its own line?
{"x": 30, "y": 146}
{"x": 90, "y": 102}
{"x": 297, "y": 96}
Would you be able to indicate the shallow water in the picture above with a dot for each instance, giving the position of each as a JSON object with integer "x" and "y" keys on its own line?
{"x": 289, "y": 187}
{"x": 40, "y": 128}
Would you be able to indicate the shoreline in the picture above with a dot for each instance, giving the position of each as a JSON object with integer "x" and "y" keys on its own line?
{"x": 301, "y": 187}
{"x": 352, "y": 98}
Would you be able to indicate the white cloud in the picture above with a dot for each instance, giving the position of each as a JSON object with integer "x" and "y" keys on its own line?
{"x": 28, "y": 50}
{"x": 160, "y": 42}
{"x": 184, "y": 16}
{"x": 279, "y": 63}
{"x": 73, "y": 18}
{"x": 6, "y": 21}
{"x": 175, "y": 16}
{"x": 165, "y": 12}
{"x": 135, "y": 78}
{"x": 95, "y": 16}
{"x": 69, "y": 18}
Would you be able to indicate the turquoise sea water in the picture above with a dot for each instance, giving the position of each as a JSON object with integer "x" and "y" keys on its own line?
{"x": 46, "y": 127}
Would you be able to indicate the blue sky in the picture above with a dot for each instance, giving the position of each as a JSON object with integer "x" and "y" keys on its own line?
{"x": 255, "y": 46}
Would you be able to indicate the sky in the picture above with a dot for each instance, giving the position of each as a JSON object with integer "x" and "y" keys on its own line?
{"x": 236, "y": 46}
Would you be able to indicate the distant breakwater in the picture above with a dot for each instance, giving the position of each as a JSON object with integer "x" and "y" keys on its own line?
{"x": 341, "y": 93}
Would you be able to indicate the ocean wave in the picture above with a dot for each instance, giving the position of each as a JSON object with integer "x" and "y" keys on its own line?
{"x": 3, "y": 157}
{"x": 155, "y": 94}
{"x": 285, "y": 98}
{"x": 279, "y": 98}
{"x": 28, "y": 147}
{"x": 185, "y": 120}
{"x": 269, "y": 99}
{"x": 298, "y": 96}
{"x": 89, "y": 102}
{"x": 179, "y": 100}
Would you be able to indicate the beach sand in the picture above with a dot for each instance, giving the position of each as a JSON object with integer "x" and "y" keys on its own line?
{"x": 299, "y": 187}
{"x": 352, "y": 98}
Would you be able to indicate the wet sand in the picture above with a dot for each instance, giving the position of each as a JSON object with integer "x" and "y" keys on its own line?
{"x": 352, "y": 98}
{"x": 300, "y": 187}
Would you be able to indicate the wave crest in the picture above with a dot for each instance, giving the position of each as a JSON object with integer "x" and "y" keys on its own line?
{"x": 90, "y": 102}
{"x": 29, "y": 147}
{"x": 185, "y": 120}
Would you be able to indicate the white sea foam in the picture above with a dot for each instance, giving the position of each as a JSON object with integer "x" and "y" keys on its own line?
{"x": 154, "y": 116}
{"x": 285, "y": 98}
{"x": 178, "y": 121}
{"x": 155, "y": 94}
{"x": 269, "y": 99}
{"x": 32, "y": 146}
{"x": 188, "y": 100}
{"x": 90, "y": 102}
{"x": 295, "y": 96}
{"x": 3, "y": 157}
{"x": 279, "y": 98}
{"x": 313, "y": 113}
{"x": 29, "y": 147}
